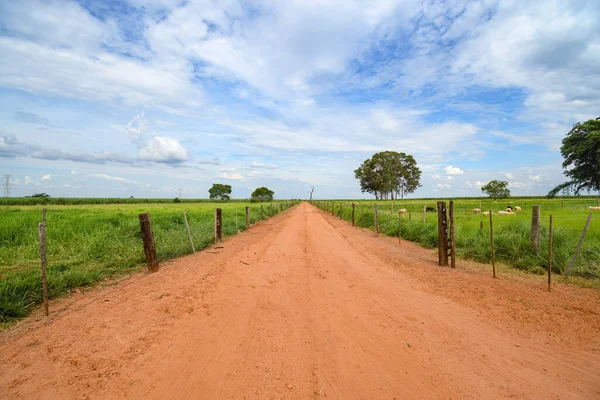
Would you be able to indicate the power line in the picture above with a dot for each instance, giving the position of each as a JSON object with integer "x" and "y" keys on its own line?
{"x": 7, "y": 183}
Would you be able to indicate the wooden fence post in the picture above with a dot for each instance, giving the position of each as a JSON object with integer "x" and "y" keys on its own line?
{"x": 480, "y": 225}
{"x": 424, "y": 211}
{"x": 442, "y": 234}
{"x": 535, "y": 236}
{"x": 148, "y": 240}
{"x": 247, "y": 217}
{"x": 585, "y": 229}
{"x": 341, "y": 205}
{"x": 188, "y": 231}
{"x": 333, "y": 208}
{"x": 236, "y": 223}
{"x": 352, "y": 214}
{"x": 261, "y": 212}
{"x": 376, "y": 216}
{"x": 550, "y": 234}
{"x": 218, "y": 224}
{"x": 42, "y": 236}
{"x": 492, "y": 243}
{"x": 452, "y": 246}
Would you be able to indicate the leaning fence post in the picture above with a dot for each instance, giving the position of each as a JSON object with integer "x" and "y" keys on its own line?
{"x": 247, "y": 217}
{"x": 42, "y": 235}
{"x": 148, "y": 240}
{"x": 585, "y": 229}
{"x": 188, "y": 231}
{"x": 376, "y": 220}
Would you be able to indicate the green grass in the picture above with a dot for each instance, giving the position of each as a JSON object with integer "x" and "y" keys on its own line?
{"x": 511, "y": 232}
{"x": 89, "y": 243}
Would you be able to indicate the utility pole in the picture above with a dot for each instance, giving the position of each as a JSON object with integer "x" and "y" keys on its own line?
{"x": 179, "y": 193}
{"x": 7, "y": 183}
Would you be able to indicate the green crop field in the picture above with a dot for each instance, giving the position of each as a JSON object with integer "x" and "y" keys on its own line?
{"x": 88, "y": 243}
{"x": 511, "y": 232}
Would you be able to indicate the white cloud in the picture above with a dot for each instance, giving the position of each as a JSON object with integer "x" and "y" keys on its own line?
{"x": 450, "y": 170}
{"x": 27, "y": 181}
{"x": 509, "y": 176}
{"x": 163, "y": 149}
{"x": 113, "y": 178}
{"x": 46, "y": 178}
{"x": 231, "y": 175}
{"x": 443, "y": 186}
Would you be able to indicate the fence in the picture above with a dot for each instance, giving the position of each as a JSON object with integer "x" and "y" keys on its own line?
{"x": 87, "y": 244}
{"x": 510, "y": 235}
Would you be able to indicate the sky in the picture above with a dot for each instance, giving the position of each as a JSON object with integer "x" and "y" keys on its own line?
{"x": 153, "y": 98}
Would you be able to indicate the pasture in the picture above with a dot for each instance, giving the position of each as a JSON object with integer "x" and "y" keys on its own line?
{"x": 88, "y": 243}
{"x": 511, "y": 232}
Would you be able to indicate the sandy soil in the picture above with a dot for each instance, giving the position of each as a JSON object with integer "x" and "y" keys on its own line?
{"x": 306, "y": 306}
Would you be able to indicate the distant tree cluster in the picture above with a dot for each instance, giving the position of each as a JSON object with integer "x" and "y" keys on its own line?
{"x": 219, "y": 191}
{"x": 496, "y": 189}
{"x": 389, "y": 175}
{"x": 262, "y": 194}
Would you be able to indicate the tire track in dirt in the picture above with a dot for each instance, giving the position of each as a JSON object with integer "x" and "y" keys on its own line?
{"x": 318, "y": 309}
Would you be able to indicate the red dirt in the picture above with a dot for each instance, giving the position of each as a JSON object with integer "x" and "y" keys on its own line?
{"x": 305, "y": 306}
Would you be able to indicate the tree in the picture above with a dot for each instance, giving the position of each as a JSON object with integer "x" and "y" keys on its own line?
{"x": 389, "y": 174}
{"x": 581, "y": 151}
{"x": 262, "y": 194}
{"x": 496, "y": 189}
{"x": 311, "y": 191}
{"x": 220, "y": 191}
{"x": 42, "y": 195}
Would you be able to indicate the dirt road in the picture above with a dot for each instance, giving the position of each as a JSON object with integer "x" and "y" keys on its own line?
{"x": 305, "y": 306}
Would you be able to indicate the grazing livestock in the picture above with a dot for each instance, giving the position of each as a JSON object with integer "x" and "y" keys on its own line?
{"x": 476, "y": 210}
{"x": 502, "y": 212}
{"x": 486, "y": 213}
{"x": 403, "y": 211}
{"x": 430, "y": 209}
{"x": 594, "y": 208}
{"x": 517, "y": 208}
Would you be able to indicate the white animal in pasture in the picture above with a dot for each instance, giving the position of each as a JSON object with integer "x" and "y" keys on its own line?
{"x": 402, "y": 211}
{"x": 517, "y": 208}
{"x": 486, "y": 213}
{"x": 597, "y": 208}
{"x": 476, "y": 211}
{"x": 501, "y": 212}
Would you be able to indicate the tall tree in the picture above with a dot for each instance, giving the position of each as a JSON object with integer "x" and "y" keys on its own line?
{"x": 581, "y": 151}
{"x": 220, "y": 191}
{"x": 262, "y": 194}
{"x": 496, "y": 189}
{"x": 389, "y": 174}
{"x": 311, "y": 191}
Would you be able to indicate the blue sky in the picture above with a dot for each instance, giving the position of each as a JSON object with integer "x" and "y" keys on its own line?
{"x": 148, "y": 97}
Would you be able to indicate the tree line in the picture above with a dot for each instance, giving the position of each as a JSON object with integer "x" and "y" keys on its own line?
{"x": 219, "y": 191}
